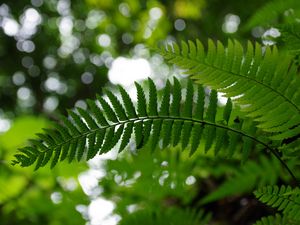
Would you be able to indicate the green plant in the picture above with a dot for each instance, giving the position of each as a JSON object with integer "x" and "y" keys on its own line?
{"x": 277, "y": 219}
{"x": 172, "y": 215}
{"x": 262, "y": 86}
{"x": 284, "y": 198}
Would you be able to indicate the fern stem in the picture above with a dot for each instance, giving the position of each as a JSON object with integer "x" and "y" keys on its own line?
{"x": 277, "y": 155}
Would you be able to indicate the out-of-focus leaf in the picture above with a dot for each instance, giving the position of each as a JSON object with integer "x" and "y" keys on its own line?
{"x": 23, "y": 128}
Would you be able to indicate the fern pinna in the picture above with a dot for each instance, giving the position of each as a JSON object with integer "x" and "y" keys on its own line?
{"x": 264, "y": 82}
{"x": 284, "y": 198}
{"x": 99, "y": 129}
{"x": 265, "y": 171}
{"x": 275, "y": 220}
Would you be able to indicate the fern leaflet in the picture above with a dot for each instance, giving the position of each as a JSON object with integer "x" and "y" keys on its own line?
{"x": 263, "y": 82}
{"x": 97, "y": 130}
{"x": 252, "y": 174}
{"x": 284, "y": 198}
{"x": 275, "y": 220}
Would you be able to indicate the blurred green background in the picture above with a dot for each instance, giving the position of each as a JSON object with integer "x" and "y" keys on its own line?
{"x": 56, "y": 53}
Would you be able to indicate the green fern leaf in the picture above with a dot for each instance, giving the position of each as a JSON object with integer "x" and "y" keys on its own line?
{"x": 116, "y": 137}
{"x": 152, "y": 98}
{"x": 175, "y": 110}
{"x": 96, "y": 130}
{"x": 142, "y": 105}
{"x": 109, "y": 112}
{"x": 40, "y": 160}
{"x": 87, "y": 118}
{"x": 138, "y": 130}
{"x": 196, "y": 137}
{"x": 91, "y": 151}
{"x": 177, "y": 127}
{"x": 72, "y": 150}
{"x": 166, "y": 132}
{"x": 146, "y": 131}
{"x": 100, "y": 135}
{"x": 290, "y": 34}
{"x": 284, "y": 198}
{"x": 275, "y": 220}
{"x": 198, "y": 114}
{"x": 264, "y": 82}
{"x": 64, "y": 151}
{"x": 199, "y": 108}
{"x": 78, "y": 122}
{"x": 227, "y": 110}
{"x": 130, "y": 110}
{"x": 156, "y": 133}
{"x": 211, "y": 114}
{"x": 250, "y": 175}
{"x": 47, "y": 139}
{"x": 100, "y": 119}
{"x": 175, "y": 105}
{"x": 118, "y": 108}
{"x": 248, "y": 143}
{"x": 69, "y": 125}
{"x": 55, "y": 159}
{"x": 108, "y": 140}
{"x": 80, "y": 148}
{"x": 54, "y": 136}
{"x": 220, "y": 140}
{"x": 126, "y": 136}
{"x": 164, "y": 108}
{"x": 186, "y": 133}
{"x": 63, "y": 131}
{"x": 234, "y": 137}
{"x": 188, "y": 104}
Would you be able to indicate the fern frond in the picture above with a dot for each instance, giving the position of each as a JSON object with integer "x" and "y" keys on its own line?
{"x": 290, "y": 34}
{"x": 285, "y": 199}
{"x": 84, "y": 133}
{"x": 277, "y": 219}
{"x": 263, "y": 82}
{"x": 252, "y": 174}
{"x": 271, "y": 11}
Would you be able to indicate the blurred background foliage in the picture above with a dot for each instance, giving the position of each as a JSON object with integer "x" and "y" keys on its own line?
{"x": 55, "y": 53}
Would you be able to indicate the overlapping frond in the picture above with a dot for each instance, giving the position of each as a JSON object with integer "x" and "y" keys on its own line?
{"x": 285, "y": 199}
{"x": 290, "y": 34}
{"x": 263, "y": 82}
{"x": 253, "y": 174}
{"x": 85, "y": 133}
{"x": 275, "y": 220}
{"x": 272, "y": 11}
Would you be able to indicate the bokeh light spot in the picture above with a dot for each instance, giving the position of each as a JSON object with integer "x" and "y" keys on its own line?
{"x": 231, "y": 23}
{"x": 179, "y": 24}
{"x": 126, "y": 71}
{"x": 104, "y": 40}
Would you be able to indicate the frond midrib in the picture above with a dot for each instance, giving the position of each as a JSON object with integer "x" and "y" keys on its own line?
{"x": 178, "y": 118}
{"x": 243, "y": 76}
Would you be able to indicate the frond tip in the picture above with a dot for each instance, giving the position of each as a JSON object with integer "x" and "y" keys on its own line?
{"x": 85, "y": 133}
